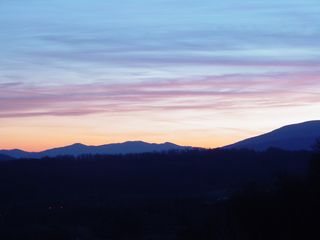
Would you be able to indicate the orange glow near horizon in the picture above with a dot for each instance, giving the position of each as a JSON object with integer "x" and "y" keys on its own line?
{"x": 41, "y": 133}
{"x": 34, "y": 146}
{"x": 46, "y": 138}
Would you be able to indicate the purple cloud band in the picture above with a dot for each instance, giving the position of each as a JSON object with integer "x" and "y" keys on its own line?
{"x": 206, "y": 93}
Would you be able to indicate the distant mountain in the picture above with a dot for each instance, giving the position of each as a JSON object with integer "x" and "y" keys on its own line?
{"x": 301, "y": 136}
{"x": 16, "y": 153}
{"x": 5, "y": 157}
{"x": 80, "y": 149}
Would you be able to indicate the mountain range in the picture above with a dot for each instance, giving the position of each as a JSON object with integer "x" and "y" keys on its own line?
{"x": 81, "y": 149}
{"x": 301, "y": 136}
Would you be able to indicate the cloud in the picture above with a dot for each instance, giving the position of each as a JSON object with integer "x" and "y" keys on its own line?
{"x": 209, "y": 93}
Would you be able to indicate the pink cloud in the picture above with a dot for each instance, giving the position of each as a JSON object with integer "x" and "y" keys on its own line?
{"x": 203, "y": 93}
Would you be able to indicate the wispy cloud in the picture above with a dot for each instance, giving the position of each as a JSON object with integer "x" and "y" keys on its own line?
{"x": 216, "y": 93}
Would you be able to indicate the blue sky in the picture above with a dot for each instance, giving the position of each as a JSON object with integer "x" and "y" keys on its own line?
{"x": 98, "y": 61}
{"x": 153, "y": 37}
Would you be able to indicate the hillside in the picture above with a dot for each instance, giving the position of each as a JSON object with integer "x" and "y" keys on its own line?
{"x": 301, "y": 136}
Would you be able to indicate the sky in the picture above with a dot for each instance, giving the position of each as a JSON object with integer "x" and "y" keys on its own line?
{"x": 199, "y": 73}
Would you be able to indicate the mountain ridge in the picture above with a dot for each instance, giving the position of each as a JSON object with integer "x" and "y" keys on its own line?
{"x": 77, "y": 149}
{"x": 298, "y": 136}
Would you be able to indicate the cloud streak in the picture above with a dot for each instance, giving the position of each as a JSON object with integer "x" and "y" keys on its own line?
{"x": 210, "y": 93}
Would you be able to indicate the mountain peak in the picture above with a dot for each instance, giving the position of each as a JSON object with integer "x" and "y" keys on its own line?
{"x": 169, "y": 143}
{"x": 134, "y": 142}
{"x": 77, "y": 145}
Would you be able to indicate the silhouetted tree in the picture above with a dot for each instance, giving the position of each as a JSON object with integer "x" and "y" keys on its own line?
{"x": 314, "y": 169}
{"x": 316, "y": 146}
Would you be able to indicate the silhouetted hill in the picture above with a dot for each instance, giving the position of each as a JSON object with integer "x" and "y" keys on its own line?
{"x": 5, "y": 157}
{"x": 300, "y": 136}
{"x": 81, "y": 149}
{"x": 16, "y": 153}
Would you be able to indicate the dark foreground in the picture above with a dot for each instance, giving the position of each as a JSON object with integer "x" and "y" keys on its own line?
{"x": 218, "y": 194}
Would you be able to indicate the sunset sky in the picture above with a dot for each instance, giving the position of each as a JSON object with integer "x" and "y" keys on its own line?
{"x": 201, "y": 73}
